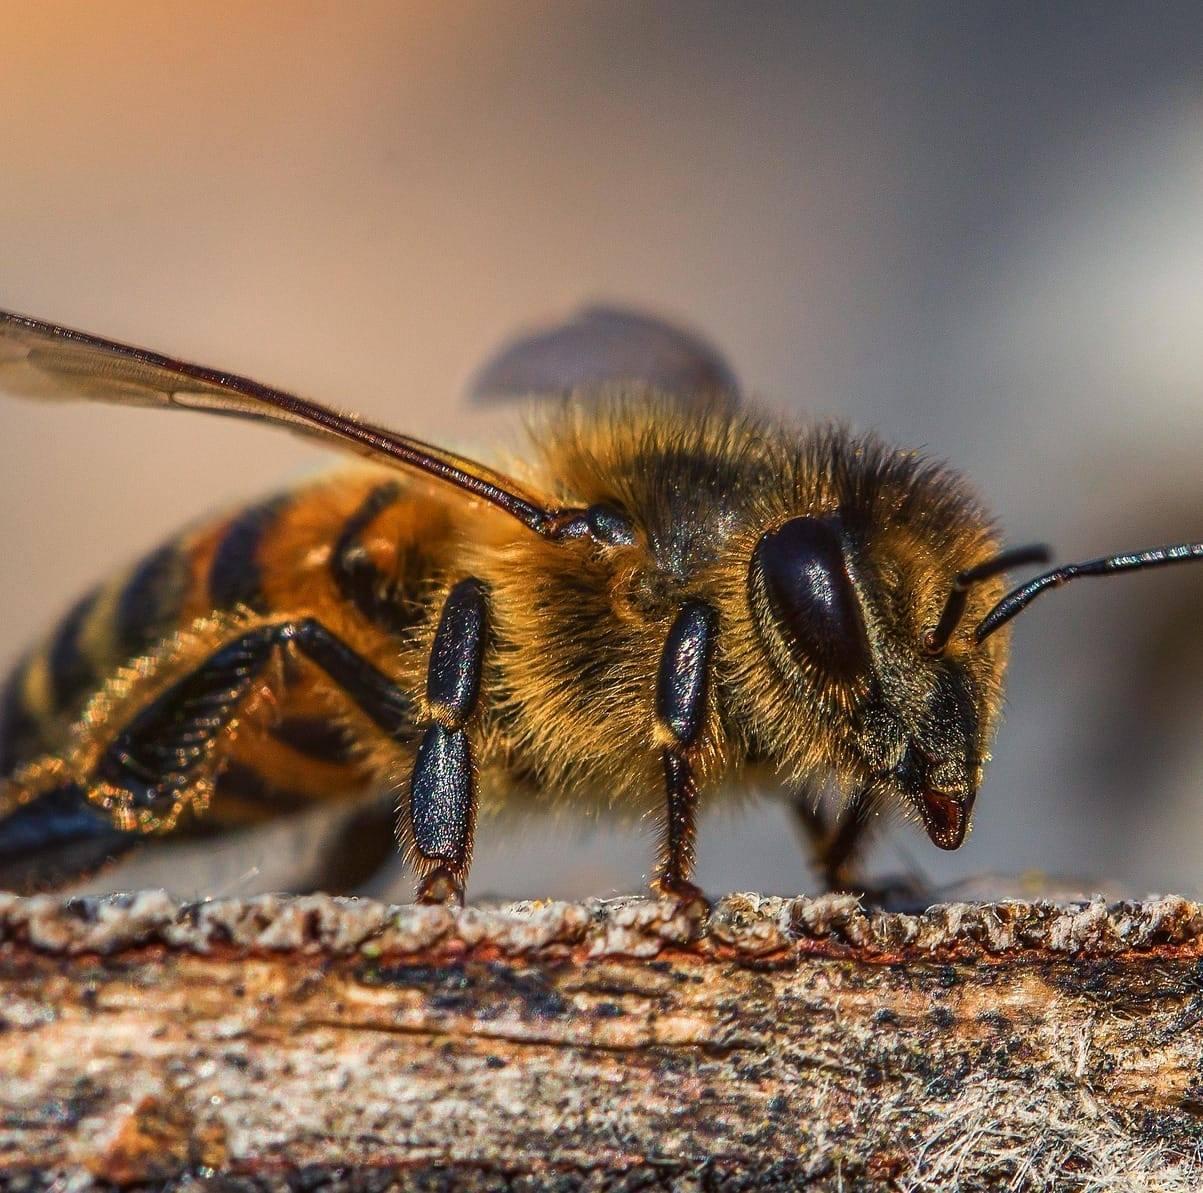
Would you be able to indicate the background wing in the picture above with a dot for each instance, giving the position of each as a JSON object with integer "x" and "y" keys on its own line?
{"x": 605, "y": 344}
{"x": 42, "y": 360}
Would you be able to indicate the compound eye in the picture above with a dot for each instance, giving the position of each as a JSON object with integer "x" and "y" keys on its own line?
{"x": 804, "y": 575}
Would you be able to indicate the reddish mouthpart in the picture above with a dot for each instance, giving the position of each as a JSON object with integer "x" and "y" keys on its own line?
{"x": 946, "y": 818}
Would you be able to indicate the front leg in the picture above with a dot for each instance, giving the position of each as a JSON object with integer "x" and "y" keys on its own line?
{"x": 681, "y": 690}
{"x": 442, "y": 788}
{"x": 834, "y": 846}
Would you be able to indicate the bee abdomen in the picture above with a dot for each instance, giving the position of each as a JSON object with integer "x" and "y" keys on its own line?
{"x": 150, "y": 600}
{"x": 21, "y": 730}
{"x": 236, "y": 573}
{"x": 47, "y": 690}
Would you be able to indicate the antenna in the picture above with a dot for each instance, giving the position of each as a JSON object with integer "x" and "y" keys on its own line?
{"x": 1022, "y": 597}
{"x": 935, "y": 640}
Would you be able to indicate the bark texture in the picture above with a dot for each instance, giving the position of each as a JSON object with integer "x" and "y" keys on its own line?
{"x": 789, "y": 1044}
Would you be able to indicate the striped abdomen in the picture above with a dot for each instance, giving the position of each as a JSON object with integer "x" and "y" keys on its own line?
{"x": 112, "y": 624}
{"x": 354, "y": 551}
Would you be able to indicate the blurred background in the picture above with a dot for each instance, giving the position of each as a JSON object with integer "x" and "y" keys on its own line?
{"x": 974, "y": 228}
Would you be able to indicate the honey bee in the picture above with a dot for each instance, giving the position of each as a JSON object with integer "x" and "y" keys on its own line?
{"x": 672, "y": 591}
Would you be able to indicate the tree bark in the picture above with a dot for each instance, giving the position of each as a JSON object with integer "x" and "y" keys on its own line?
{"x": 788, "y": 1044}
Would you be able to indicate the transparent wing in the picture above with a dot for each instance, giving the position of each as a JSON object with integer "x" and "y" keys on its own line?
{"x": 606, "y": 344}
{"x": 41, "y": 360}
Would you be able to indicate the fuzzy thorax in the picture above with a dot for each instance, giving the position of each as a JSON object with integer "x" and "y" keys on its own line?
{"x": 580, "y": 626}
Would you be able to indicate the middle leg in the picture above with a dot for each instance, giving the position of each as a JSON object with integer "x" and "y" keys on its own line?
{"x": 681, "y": 703}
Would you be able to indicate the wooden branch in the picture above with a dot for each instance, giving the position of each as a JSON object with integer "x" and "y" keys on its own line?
{"x": 799, "y": 1043}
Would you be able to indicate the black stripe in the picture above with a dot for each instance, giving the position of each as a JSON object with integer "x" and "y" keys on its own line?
{"x": 236, "y": 577}
{"x": 360, "y": 582}
{"x": 318, "y": 738}
{"x": 20, "y": 730}
{"x": 150, "y": 600}
{"x": 244, "y": 782}
{"x": 71, "y": 671}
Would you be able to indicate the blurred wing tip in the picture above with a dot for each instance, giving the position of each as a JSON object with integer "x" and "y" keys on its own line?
{"x": 604, "y": 344}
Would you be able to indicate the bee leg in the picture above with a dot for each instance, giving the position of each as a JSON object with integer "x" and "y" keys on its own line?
{"x": 834, "y": 845}
{"x": 358, "y": 849}
{"x": 811, "y": 824}
{"x": 681, "y": 688}
{"x": 162, "y": 762}
{"x": 55, "y": 838}
{"x": 442, "y": 788}
{"x": 844, "y": 840}
{"x": 676, "y": 853}
{"x": 176, "y": 741}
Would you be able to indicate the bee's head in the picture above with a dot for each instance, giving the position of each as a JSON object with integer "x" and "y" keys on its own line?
{"x": 866, "y": 665}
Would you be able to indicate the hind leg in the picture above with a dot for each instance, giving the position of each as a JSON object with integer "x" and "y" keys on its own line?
{"x": 57, "y": 837}
{"x": 150, "y": 749}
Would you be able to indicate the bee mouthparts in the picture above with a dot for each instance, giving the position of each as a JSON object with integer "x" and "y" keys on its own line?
{"x": 946, "y": 817}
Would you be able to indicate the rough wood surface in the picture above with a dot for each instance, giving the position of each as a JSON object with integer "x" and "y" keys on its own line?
{"x": 323, "y": 1043}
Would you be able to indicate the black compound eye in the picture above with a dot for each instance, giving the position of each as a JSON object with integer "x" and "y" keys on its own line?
{"x": 802, "y": 569}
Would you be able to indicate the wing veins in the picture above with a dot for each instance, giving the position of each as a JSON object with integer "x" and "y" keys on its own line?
{"x": 77, "y": 364}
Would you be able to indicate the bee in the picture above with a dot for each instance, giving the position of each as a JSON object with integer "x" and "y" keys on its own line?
{"x": 670, "y": 592}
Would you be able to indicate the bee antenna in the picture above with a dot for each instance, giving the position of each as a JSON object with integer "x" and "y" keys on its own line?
{"x": 936, "y": 639}
{"x": 1134, "y": 561}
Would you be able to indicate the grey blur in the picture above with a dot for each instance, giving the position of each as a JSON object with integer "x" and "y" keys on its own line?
{"x": 975, "y": 228}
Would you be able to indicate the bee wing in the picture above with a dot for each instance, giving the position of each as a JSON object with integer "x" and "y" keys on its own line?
{"x": 604, "y": 344}
{"x": 42, "y": 360}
